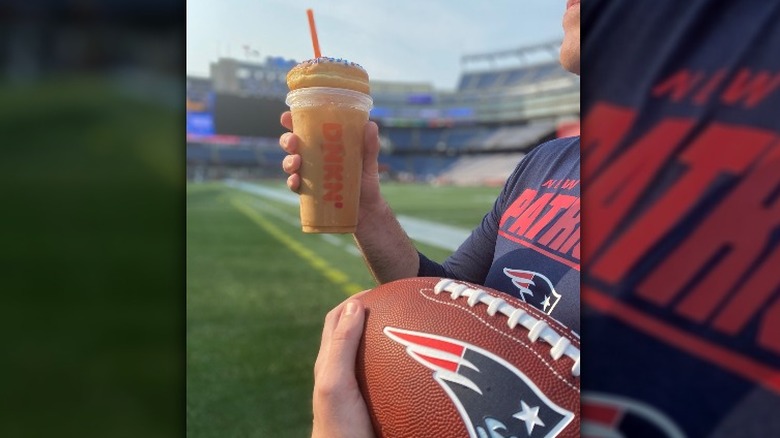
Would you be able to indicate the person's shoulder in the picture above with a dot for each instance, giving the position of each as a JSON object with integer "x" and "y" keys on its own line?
{"x": 559, "y": 149}
{"x": 558, "y": 146}
{"x": 558, "y": 153}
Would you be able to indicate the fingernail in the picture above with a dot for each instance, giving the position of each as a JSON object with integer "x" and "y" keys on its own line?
{"x": 350, "y": 309}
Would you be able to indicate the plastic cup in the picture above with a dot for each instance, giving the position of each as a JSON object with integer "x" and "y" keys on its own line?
{"x": 329, "y": 123}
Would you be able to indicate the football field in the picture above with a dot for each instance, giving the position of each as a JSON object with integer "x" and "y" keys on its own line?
{"x": 258, "y": 290}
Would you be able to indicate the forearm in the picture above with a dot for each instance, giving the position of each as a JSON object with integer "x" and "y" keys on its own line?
{"x": 387, "y": 250}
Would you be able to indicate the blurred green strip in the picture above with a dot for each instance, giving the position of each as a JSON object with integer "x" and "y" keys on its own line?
{"x": 92, "y": 245}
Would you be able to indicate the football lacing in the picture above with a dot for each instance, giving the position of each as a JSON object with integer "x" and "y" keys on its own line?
{"x": 537, "y": 328}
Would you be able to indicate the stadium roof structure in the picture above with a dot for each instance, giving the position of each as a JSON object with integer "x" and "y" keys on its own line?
{"x": 521, "y": 57}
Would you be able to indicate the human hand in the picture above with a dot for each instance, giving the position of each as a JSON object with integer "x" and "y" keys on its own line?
{"x": 339, "y": 408}
{"x": 370, "y": 198}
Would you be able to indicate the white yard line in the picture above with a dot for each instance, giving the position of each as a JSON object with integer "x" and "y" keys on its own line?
{"x": 346, "y": 246}
{"x": 424, "y": 231}
{"x": 433, "y": 233}
{"x": 286, "y": 218}
{"x": 352, "y": 249}
{"x": 293, "y": 221}
{"x": 283, "y": 196}
{"x": 333, "y": 240}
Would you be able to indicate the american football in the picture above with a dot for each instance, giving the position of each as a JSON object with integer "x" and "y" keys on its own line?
{"x": 446, "y": 358}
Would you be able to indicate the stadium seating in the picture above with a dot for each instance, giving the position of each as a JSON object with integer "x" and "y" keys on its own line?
{"x": 491, "y": 169}
{"x": 236, "y": 156}
{"x": 465, "y": 137}
{"x": 476, "y": 81}
{"x": 401, "y": 139}
{"x": 518, "y": 136}
{"x": 415, "y": 167}
{"x": 198, "y": 153}
{"x": 468, "y": 138}
{"x": 474, "y": 134}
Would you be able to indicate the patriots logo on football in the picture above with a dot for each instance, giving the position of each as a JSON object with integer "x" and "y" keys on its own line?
{"x": 494, "y": 399}
{"x": 539, "y": 288}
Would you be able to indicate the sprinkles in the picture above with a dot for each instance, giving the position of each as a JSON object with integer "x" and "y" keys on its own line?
{"x": 325, "y": 59}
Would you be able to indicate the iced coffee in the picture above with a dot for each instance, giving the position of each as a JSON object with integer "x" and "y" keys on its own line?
{"x": 329, "y": 99}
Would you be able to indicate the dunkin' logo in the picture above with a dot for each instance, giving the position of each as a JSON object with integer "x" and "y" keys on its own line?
{"x": 333, "y": 163}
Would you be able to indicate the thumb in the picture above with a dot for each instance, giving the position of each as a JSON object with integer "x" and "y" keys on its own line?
{"x": 346, "y": 338}
{"x": 371, "y": 149}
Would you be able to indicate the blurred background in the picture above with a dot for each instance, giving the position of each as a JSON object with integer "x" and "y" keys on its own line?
{"x": 114, "y": 141}
{"x": 93, "y": 178}
{"x": 461, "y": 93}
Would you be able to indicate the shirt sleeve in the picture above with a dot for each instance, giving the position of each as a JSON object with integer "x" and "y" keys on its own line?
{"x": 472, "y": 260}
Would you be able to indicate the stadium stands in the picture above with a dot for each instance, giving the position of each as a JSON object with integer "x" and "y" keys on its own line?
{"x": 480, "y": 81}
{"x": 491, "y": 169}
{"x": 476, "y": 138}
{"x": 474, "y": 134}
{"x": 519, "y": 137}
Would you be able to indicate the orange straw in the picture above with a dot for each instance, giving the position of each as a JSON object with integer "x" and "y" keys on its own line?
{"x": 313, "y": 30}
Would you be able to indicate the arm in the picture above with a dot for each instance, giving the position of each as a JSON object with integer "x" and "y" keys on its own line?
{"x": 474, "y": 257}
{"x": 387, "y": 250}
{"x": 471, "y": 261}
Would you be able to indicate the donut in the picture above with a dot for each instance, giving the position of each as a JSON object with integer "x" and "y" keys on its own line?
{"x": 328, "y": 72}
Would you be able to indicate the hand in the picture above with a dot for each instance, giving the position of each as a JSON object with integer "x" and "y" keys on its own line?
{"x": 370, "y": 199}
{"x": 339, "y": 408}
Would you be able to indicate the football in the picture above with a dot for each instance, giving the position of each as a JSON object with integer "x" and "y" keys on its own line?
{"x": 446, "y": 358}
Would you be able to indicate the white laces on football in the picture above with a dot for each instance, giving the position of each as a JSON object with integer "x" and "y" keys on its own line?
{"x": 537, "y": 328}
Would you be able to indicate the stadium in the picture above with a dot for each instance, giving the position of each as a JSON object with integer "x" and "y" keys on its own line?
{"x": 258, "y": 288}
{"x": 472, "y": 135}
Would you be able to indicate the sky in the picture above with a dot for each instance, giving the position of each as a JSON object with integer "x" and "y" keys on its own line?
{"x": 394, "y": 40}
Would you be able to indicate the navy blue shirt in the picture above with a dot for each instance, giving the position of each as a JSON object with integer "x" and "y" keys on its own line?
{"x": 528, "y": 245}
{"x": 681, "y": 242}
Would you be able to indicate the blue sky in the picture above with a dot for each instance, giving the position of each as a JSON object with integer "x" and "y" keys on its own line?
{"x": 396, "y": 40}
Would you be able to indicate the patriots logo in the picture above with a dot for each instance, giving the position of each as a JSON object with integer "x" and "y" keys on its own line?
{"x": 494, "y": 399}
{"x": 540, "y": 290}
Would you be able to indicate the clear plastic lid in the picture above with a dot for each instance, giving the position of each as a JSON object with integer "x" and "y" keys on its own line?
{"x": 316, "y": 96}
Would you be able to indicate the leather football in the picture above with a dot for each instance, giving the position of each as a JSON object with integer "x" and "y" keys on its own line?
{"x": 444, "y": 358}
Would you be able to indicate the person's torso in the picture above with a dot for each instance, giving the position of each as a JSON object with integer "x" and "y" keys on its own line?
{"x": 537, "y": 252}
{"x": 681, "y": 161}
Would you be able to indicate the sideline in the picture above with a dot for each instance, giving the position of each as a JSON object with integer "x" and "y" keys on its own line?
{"x": 431, "y": 233}
{"x": 294, "y": 222}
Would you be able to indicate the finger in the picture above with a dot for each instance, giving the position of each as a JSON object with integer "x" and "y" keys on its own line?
{"x": 291, "y": 164}
{"x": 345, "y": 339}
{"x": 331, "y": 320}
{"x": 286, "y": 120}
{"x": 289, "y": 142}
{"x": 294, "y": 182}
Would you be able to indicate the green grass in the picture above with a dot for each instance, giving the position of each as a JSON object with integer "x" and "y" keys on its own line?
{"x": 459, "y": 206}
{"x": 93, "y": 285}
{"x": 255, "y": 307}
